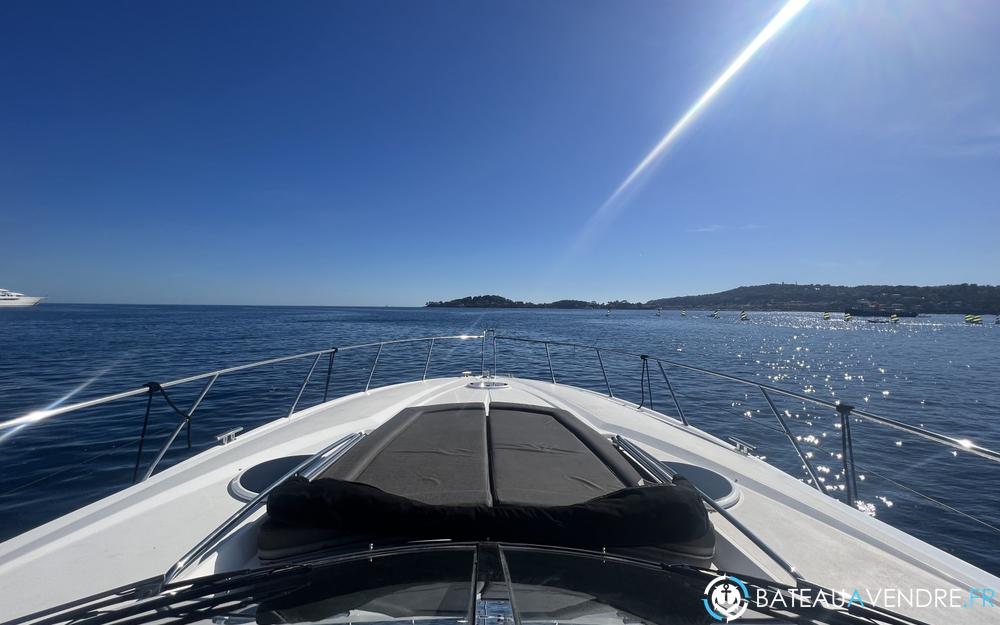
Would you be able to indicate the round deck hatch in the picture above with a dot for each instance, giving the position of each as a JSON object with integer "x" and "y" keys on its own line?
{"x": 254, "y": 480}
{"x": 715, "y": 485}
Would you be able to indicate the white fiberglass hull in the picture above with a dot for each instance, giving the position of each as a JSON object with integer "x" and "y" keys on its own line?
{"x": 20, "y": 301}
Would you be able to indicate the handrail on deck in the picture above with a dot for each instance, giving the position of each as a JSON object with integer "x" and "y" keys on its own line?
{"x": 39, "y": 415}
{"x": 308, "y": 468}
{"x": 844, "y": 411}
{"x": 956, "y": 443}
{"x": 151, "y": 388}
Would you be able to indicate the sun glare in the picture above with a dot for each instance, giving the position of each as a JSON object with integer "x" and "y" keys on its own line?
{"x": 783, "y": 17}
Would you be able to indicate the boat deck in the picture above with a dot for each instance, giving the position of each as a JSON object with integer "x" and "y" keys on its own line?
{"x": 143, "y": 530}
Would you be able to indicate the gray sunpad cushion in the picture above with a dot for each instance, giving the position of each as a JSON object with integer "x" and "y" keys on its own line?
{"x": 538, "y": 461}
{"x": 435, "y": 455}
{"x": 448, "y": 455}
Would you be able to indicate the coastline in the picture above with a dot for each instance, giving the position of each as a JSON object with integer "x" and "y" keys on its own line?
{"x": 865, "y": 300}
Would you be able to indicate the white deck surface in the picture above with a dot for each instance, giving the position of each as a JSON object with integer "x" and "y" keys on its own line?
{"x": 140, "y": 532}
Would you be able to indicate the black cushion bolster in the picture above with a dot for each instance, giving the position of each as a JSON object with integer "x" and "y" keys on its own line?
{"x": 630, "y": 517}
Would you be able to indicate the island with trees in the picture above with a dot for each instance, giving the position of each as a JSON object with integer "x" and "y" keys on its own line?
{"x": 950, "y": 298}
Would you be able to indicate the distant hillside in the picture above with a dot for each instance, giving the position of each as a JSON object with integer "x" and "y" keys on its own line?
{"x": 951, "y": 298}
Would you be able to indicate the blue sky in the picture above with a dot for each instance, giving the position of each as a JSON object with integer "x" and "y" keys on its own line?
{"x": 396, "y": 152}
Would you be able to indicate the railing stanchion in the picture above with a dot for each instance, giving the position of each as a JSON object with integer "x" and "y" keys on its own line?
{"x": 847, "y": 442}
{"x": 673, "y": 395}
{"x": 427, "y": 363}
{"x": 329, "y": 372}
{"x": 194, "y": 407}
{"x": 204, "y": 391}
{"x": 643, "y": 376}
{"x": 604, "y": 372}
{"x": 142, "y": 437}
{"x": 548, "y": 356}
{"x": 649, "y": 383}
{"x": 791, "y": 439}
{"x": 302, "y": 388}
{"x": 494, "y": 333}
{"x": 374, "y": 364}
{"x": 185, "y": 421}
{"x": 482, "y": 356}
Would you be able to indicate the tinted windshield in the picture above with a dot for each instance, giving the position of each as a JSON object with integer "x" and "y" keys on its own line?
{"x": 489, "y": 585}
{"x": 432, "y": 584}
{"x": 444, "y": 583}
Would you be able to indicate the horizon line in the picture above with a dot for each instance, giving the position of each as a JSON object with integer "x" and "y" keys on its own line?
{"x": 50, "y": 301}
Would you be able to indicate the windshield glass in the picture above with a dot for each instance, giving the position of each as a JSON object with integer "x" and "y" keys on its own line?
{"x": 427, "y": 584}
{"x": 488, "y": 584}
{"x": 444, "y": 583}
{"x": 559, "y": 587}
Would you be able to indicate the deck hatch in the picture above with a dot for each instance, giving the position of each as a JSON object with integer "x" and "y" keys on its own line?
{"x": 250, "y": 483}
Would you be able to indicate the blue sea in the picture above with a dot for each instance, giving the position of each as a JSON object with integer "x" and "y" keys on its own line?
{"x": 933, "y": 371}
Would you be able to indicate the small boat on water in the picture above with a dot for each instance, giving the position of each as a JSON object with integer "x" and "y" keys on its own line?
{"x": 894, "y": 318}
{"x": 744, "y": 316}
{"x": 684, "y": 313}
{"x": 714, "y": 315}
{"x": 471, "y": 497}
{"x": 848, "y": 316}
{"x": 12, "y": 299}
{"x": 826, "y": 316}
{"x": 659, "y": 312}
{"x": 974, "y": 319}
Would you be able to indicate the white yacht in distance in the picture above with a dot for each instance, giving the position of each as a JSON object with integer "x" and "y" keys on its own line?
{"x": 481, "y": 499}
{"x": 10, "y": 298}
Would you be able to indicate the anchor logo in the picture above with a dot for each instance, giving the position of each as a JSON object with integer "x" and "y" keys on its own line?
{"x": 726, "y": 598}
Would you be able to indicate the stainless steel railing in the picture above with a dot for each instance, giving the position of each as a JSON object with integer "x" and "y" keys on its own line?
{"x": 153, "y": 388}
{"x": 662, "y": 473}
{"x": 844, "y": 411}
{"x": 308, "y": 468}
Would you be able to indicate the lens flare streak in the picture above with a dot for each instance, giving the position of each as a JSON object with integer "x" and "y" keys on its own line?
{"x": 783, "y": 17}
{"x": 17, "y": 424}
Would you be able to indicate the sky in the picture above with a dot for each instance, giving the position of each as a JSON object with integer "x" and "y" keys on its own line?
{"x": 391, "y": 153}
